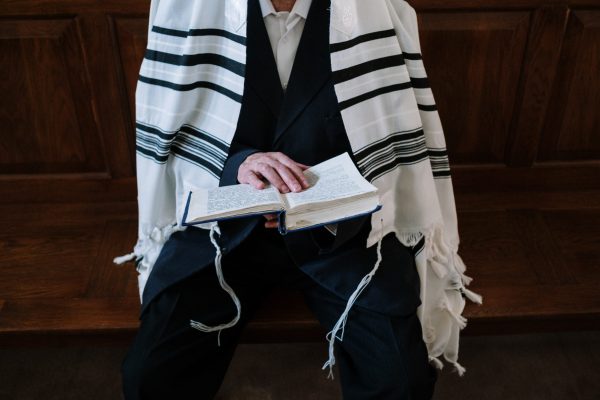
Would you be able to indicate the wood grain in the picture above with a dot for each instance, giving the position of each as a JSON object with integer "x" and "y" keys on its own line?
{"x": 517, "y": 87}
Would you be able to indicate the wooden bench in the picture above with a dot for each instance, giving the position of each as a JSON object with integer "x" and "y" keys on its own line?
{"x": 536, "y": 271}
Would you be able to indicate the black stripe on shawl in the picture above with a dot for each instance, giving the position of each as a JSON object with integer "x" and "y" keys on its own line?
{"x": 155, "y": 131}
{"x": 441, "y": 174}
{"x": 166, "y": 135}
{"x": 190, "y": 60}
{"x": 392, "y": 156}
{"x": 180, "y": 151}
{"x": 419, "y": 246}
{"x": 200, "y": 32}
{"x": 187, "y": 143}
{"x": 412, "y": 56}
{"x": 340, "y": 46}
{"x": 393, "y": 163}
{"x": 420, "y": 83}
{"x": 213, "y": 151}
{"x": 440, "y": 163}
{"x": 152, "y": 142}
{"x": 405, "y": 147}
{"x": 427, "y": 107}
{"x": 201, "y": 162}
{"x": 191, "y": 86}
{"x": 438, "y": 152}
{"x": 440, "y": 169}
{"x": 161, "y": 159}
{"x": 374, "y": 93}
{"x": 381, "y": 144}
{"x": 205, "y": 137}
{"x": 346, "y": 74}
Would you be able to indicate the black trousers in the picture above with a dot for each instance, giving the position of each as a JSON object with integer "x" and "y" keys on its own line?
{"x": 381, "y": 356}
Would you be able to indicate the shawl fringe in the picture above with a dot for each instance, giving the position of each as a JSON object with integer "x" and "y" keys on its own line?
{"x": 443, "y": 298}
{"x": 147, "y": 250}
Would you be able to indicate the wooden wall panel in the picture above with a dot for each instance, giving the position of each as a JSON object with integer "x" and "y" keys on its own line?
{"x": 130, "y": 34}
{"x": 572, "y": 130}
{"x": 509, "y": 91}
{"x": 45, "y": 115}
{"x": 474, "y": 62}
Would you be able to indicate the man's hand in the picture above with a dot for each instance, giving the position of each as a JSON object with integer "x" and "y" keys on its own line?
{"x": 277, "y": 169}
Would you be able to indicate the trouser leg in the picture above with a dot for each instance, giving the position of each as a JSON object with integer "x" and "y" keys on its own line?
{"x": 169, "y": 359}
{"x": 381, "y": 356}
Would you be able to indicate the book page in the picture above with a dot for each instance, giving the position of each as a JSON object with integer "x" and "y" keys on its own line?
{"x": 225, "y": 199}
{"x": 332, "y": 214}
{"x": 331, "y": 180}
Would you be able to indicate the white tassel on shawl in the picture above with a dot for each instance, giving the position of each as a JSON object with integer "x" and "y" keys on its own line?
{"x": 218, "y": 267}
{"x": 437, "y": 362}
{"x": 474, "y": 297}
{"x": 442, "y": 273}
{"x": 123, "y": 259}
{"x": 157, "y": 237}
{"x": 147, "y": 250}
{"x": 341, "y": 323}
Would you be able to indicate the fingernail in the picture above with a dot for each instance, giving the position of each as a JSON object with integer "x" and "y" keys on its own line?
{"x": 285, "y": 189}
{"x": 297, "y": 188}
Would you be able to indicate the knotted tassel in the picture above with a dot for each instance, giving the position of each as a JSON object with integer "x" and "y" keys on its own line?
{"x": 341, "y": 323}
{"x": 123, "y": 259}
{"x": 436, "y": 361}
{"x": 459, "y": 368}
{"x": 205, "y": 328}
{"x": 466, "y": 279}
{"x": 474, "y": 297}
{"x": 460, "y": 320}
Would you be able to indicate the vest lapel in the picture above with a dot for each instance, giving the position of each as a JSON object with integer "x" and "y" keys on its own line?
{"x": 261, "y": 69}
{"x": 311, "y": 66}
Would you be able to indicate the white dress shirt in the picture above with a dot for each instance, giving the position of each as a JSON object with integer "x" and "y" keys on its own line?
{"x": 285, "y": 30}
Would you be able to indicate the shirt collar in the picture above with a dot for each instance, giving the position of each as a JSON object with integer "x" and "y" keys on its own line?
{"x": 301, "y": 8}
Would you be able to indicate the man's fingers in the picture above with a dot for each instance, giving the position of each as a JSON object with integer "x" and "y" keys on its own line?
{"x": 271, "y": 224}
{"x": 302, "y": 165}
{"x": 271, "y": 221}
{"x": 295, "y": 168}
{"x": 277, "y": 168}
{"x": 272, "y": 176}
{"x": 252, "y": 179}
{"x": 288, "y": 176}
{"x": 285, "y": 174}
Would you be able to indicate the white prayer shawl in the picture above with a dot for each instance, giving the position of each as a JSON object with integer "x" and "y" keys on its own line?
{"x": 188, "y": 101}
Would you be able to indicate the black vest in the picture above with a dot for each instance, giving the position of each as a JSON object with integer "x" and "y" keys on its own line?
{"x": 305, "y": 122}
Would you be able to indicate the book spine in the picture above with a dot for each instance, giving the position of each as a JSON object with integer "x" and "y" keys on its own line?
{"x": 281, "y": 223}
{"x": 185, "y": 212}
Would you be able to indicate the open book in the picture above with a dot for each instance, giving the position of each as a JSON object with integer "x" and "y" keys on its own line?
{"x": 337, "y": 191}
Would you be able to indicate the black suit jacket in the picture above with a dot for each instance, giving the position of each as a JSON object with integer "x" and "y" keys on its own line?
{"x": 306, "y": 125}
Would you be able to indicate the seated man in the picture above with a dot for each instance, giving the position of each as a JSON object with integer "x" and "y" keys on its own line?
{"x": 242, "y": 91}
